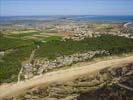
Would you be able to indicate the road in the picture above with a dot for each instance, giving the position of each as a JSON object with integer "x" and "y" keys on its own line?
{"x": 12, "y": 90}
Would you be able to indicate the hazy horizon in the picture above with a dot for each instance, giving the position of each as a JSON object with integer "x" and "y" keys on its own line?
{"x": 65, "y": 7}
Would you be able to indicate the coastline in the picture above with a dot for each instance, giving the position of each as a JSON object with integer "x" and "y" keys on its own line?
{"x": 103, "y": 18}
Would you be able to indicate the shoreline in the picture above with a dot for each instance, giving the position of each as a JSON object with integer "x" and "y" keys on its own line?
{"x": 109, "y": 18}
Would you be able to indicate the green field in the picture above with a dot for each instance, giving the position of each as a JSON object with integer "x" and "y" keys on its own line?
{"x": 9, "y": 43}
{"x": 114, "y": 44}
{"x": 52, "y": 47}
{"x": 11, "y": 64}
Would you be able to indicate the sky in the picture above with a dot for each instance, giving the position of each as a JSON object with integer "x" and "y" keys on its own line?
{"x": 65, "y": 7}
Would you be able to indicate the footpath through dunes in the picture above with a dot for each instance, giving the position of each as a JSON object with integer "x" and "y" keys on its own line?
{"x": 15, "y": 89}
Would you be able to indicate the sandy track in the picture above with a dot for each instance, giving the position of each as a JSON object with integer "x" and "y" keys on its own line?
{"x": 11, "y": 90}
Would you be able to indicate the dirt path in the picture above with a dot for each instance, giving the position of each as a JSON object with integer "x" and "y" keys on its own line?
{"x": 29, "y": 61}
{"x": 15, "y": 89}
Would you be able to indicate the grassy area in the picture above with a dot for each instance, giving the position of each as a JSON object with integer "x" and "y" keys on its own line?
{"x": 23, "y": 34}
{"x": 10, "y": 64}
{"x": 114, "y": 44}
{"x": 8, "y": 43}
{"x": 52, "y": 38}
